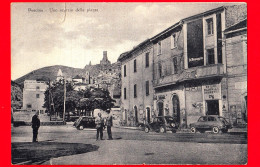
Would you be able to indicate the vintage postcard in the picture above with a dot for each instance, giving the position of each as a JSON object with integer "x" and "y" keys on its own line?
{"x": 129, "y": 83}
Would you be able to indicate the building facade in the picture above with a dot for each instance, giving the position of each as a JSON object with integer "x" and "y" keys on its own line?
{"x": 194, "y": 70}
{"x": 33, "y": 95}
{"x": 236, "y": 55}
{"x": 136, "y": 88}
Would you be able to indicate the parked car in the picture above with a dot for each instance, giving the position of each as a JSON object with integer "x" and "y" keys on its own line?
{"x": 162, "y": 124}
{"x": 85, "y": 122}
{"x": 214, "y": 123}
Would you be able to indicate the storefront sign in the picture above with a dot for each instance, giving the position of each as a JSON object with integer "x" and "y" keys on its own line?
{"x": 212, "y": 92}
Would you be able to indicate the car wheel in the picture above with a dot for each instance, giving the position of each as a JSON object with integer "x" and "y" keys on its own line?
{"x": 162, "y": 129}
{"x": 173, "y": 125}
{"x": 215, "y": 129}
{"x": 146, "y": 129}
{"x": 81, "y": 127}
{"x": 193, "y": 130}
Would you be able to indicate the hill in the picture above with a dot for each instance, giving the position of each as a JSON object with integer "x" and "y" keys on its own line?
{"x": 50, "y": 72}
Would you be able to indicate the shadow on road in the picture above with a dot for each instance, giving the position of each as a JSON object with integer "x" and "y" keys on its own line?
{"x": 37, "y": 153}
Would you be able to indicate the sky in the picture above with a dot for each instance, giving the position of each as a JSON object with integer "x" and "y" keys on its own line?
{"x": 43, "y": 34}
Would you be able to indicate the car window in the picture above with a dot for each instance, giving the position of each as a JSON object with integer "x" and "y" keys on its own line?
{"x": 212, "y": 119}
{"x": 169, "y": 119}
{"x": 223, "y": 120}
{"x": 160, "y": 119}
{"x": 155, "y": 120}
{"x": 202, "y": 119}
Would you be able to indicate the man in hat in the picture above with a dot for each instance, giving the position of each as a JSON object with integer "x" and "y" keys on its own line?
{"x": 35, "y": 126}
{"x": 99, "y": 126}
{"x": 109, "y": 124}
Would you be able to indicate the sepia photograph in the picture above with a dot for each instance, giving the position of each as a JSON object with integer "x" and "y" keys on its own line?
{"x": 110, "y": 83}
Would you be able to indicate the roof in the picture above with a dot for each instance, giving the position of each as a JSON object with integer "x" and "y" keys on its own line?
{"x": 236, "y": 27}
{"x": 77, "y": 77}
{"x": 128, "y": 54}
{"x": 206, "y": 13}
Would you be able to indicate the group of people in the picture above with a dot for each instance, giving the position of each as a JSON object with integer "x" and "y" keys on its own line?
{"x": 100, "y": 122}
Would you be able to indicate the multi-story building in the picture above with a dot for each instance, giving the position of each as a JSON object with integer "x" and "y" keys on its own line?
{"x": 191, "y": 68}
{"x": 33, "y": 95}
{"x": 236, "y": 58}
{"x": 136, "y": 88}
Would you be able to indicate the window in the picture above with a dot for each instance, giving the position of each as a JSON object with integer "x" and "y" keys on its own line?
{"x": 37, "y": 87}
{"x": 135, "y": 65}
{"x": 147, "y": 59}
{"x": 210, "y": 56}
{"x": 37, "y": 95}
{"x": 212, "y": 119}
{"x": 135, "y": 95}
{"x": 147, "y": 87}
{"x": 159, "y": 48}
{"x": 210, "y": 26}
{"x": 173, "y": 41}
{"x": 175, "y": 68}
{"x": 160, "y": 69}
{"x": 202, "y": 119}
{"x": 124, "y": 70}
{"x": 29, "y": 106}
{"x": 124, "y": 93}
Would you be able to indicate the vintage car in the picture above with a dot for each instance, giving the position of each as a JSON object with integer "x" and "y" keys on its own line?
{"x": 85, "y": 122}
{"x": 162, "y": 124}
{"x": 213, "y": 123}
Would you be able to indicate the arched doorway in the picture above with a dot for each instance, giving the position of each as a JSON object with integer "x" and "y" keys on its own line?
{"x": 148, "y": 115}
{"x": 136, "y": 115}
{"x": 160, "y": 108}
{"x": 176, "y": 108}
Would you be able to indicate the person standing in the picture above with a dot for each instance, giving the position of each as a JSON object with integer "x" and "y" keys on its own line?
{"x": 35, "y": 126}
{"x": 109, "y": 124}
{"x": 99, "y": 126}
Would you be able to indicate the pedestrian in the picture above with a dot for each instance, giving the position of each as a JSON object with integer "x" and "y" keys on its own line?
{"x": 35, "y": 126}
{"x": 99, "y": 126}
{"x": 109, "y": 124}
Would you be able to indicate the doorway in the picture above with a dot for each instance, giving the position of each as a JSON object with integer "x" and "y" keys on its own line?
{"x": 148, "y": 115}
{"x": 160, "y": 108}
{"x": 176, "y": 108}
{"x": 212, "y": 107}
{"x": 136, "y": 115}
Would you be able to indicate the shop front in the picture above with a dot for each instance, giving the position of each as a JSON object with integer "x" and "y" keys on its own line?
{"x": 203, "y": 98}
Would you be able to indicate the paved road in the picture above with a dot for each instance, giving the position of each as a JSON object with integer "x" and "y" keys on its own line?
{"x": 135, "y": 147}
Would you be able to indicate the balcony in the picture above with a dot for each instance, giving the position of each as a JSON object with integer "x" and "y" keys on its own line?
{"x": 201, "y": 72}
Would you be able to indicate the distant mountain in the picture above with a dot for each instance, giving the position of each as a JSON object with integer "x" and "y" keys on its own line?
{"x": 50, "y": 72}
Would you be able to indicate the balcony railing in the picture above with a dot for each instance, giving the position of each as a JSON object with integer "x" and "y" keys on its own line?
{"x": 191, "y": 74}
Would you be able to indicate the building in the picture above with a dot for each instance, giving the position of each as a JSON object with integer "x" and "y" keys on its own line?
{"x": 236, "y": 55}
{"x": 59, "y": 75}
{"x": 136, "y": 88}
{"x": 33, "y": 95}
{"x": 193, "y": 71}
{"x": 105, "y": 60}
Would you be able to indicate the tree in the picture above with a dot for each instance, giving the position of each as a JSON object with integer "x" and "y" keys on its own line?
{"x": 55, "y": 94}
{"x": 88, "y": 99}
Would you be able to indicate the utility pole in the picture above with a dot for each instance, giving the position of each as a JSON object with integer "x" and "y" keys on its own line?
{"x": 50, "y": 98}
{"x": 64, "y": 103}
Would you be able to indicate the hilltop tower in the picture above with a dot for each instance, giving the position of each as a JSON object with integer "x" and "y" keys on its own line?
{"x": 105, "y": 60}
